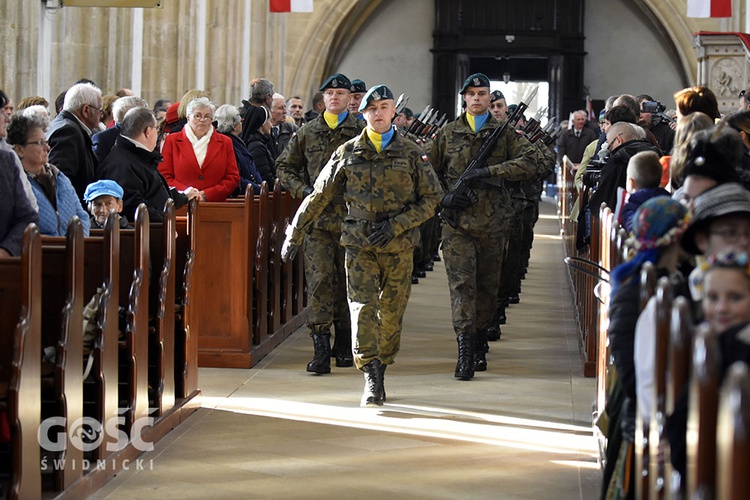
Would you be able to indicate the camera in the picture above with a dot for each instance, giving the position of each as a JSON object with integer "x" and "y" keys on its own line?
{"x": 653, "y": 107}
{"x": 593, "y": 173}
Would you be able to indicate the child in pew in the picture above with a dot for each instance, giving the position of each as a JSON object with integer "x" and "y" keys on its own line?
{"x": 101, "y": 197}
{"x": 643, "y": 178}
{"x": 725, "y": 300}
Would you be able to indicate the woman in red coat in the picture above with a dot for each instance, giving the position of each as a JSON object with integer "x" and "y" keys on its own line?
{"x": 200, "y": 158}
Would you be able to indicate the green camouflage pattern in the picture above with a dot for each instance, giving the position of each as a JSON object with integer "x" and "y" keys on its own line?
{"x": 325, "y": 280}
{"x": 474, "y": 250}
{"x": 398, "y": 184}
{"x": 307, "y": 153}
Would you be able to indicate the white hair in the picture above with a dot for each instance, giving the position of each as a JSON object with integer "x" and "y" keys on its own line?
{"x": 279, "y": 96}
{"x": 227, "y": 117}
{"x": 199, "y": 103}
{"x": 81, "y": 94}
{"x": 124, "y": 104}
{"x": 38, "y": 114}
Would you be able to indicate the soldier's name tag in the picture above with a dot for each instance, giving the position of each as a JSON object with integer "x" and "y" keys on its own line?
{"x": 400, "y": 164}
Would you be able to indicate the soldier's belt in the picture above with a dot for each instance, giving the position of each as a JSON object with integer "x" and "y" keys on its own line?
{"x": 370, "y": 216}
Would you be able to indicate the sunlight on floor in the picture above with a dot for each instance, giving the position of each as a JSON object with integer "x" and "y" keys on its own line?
{"x": 443, "y": 423}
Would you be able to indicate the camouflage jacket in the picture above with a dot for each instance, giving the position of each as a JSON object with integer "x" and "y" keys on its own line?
{"x": 397, "y": 184}
{"x": 513, "y": 159}
{"x": 531, "y": 191}
{"x": 307, "y": 153}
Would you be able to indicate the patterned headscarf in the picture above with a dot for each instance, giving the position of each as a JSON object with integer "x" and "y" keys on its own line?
{"x": 657, "y": 224}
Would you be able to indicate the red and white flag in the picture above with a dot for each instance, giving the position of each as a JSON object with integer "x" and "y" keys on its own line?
{"x": 290, "y": 5}
{"x": 590, "y": 115}
{"x": 709, "y": 8}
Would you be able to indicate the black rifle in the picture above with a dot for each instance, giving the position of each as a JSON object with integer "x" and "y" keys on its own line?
{"x": 462, "y": 188}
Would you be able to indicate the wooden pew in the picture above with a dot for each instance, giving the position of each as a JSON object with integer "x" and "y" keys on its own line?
{"x": 659, "y": 465}
{"x": 62, "y": 329}
{"x": 162, "y": 300}
{"x": 642, "y": 483}
{"x": 702, "y": 416}
{"x": 20, "y": 360}
{"x": 134, "y": 288}
{"x": 102, "y": 271}
{"x": 275, "y": 239}
{"x": 733, "y": 435}
{"x": 185, "y": 339}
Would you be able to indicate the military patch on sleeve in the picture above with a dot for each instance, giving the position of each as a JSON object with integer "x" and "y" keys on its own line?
{"x": 424, "y": 158}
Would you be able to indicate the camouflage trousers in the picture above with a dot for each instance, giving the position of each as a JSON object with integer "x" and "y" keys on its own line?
{"x": 378, "y": 285}
{"x": 473, "y": 266}
{"x": 326, "y": 282}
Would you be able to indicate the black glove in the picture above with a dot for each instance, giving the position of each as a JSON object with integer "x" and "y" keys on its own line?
{"x": 288, "y": 250}
{"x": 307, "y": 192}
{"x": 459, "y": 201}
{"x": 381, "y": 235}
{"x": 477, "y": 173}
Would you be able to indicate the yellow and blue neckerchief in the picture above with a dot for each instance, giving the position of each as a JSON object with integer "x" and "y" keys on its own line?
{"x": 477, "y": 122}
{"x": 334, "y": 121}
{"x": 380, "y": 141}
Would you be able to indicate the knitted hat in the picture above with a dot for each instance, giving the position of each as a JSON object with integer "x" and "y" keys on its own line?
{"x": 715, "y": 154}
{"x": 255, "y": 117}
{"x": 658, "y": 223}
{"x": 724, "y": 199}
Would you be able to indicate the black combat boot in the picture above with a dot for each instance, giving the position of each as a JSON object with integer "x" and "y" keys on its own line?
{"x": 465, "y": 365}
{"x": 321, "y": 362}
{"x": 342, "y": 347}
{"x": 494, "y": 331}
{"x": 382, "y": 379}
{"x": 480, "y": 351}
{"x": 374, "y": 390}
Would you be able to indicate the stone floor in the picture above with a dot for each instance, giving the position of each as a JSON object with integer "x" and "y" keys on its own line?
{"x": 521, "y": 430}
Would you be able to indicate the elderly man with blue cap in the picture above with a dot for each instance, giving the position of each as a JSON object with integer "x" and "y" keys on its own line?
{"x": 101, "y": 197}
{"x": 297, "y": 168}
{"x": 390, "y": 189}
{"x": 474, "y": 247}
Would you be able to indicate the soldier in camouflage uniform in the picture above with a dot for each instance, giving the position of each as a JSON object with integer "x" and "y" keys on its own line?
{"x": 473, "y": 250}
{"x": 525, "y": 196}
{"x": 297, "y": 168}
{"x": 390, "y": 189}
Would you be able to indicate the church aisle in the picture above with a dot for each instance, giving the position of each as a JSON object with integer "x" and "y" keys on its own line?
{"x": 521, "y": 430}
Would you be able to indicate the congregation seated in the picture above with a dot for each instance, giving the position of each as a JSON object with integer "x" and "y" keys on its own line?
{"x": 133, "y": 164}
{"x": 199, "y": 158}
{"x": 257, "y": 129}
{"x": 103, "y": 142}
{"x": 16, "y": 211}
{"x": 229, "y": 123}
{"x": 643, "y": 178}
{"x": 57, "y": 199}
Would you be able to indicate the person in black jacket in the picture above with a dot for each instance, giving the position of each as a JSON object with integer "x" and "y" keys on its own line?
{"x": 132, "y": 163}
{"x": 258, "y": 141}
{"x": 624, "y": 141}
{"x": 229, "y": 123}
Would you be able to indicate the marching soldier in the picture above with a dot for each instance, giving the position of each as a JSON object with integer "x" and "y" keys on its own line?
{"x": 473, "y": 250}
{"x": 390, "y": 189}
{"x": 297, "y": 168}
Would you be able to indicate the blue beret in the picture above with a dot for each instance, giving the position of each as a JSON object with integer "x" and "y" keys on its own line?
{"x": 358, "y": 85}
{"x": 476, "y": 80}
{"x": 101, "y": 188}
{"x": 377, "y": 93}
{"x": 337, "y": 81}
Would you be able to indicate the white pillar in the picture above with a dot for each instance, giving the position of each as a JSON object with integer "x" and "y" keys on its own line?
{"x": 200, "y": 45}
{"x": 282, "y": 56}
{"x": 136, "y": 69}
{"x": 245, "y": 63}
{"x": 44, "y": 55}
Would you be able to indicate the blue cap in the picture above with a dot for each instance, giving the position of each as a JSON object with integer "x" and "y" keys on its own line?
{"x": 377, "y": 93}
{"x": 337, "y": 81}
{"x": 476, "y": 80}
{"x": 358, "y": 85}
{"x": 104, "y": 187}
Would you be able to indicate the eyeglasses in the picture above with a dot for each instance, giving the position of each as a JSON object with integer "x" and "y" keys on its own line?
{"x": 609, "y": 144}
{"x": 202, "y": 118}
{"x": 41, "y": 143}
{"x": 731, "y": 235}
{"x": 94, "y": 107}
